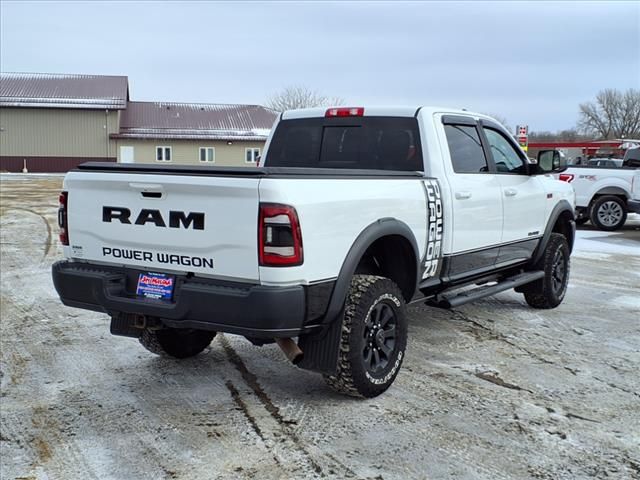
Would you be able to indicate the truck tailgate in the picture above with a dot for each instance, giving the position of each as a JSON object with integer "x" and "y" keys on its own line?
{"x": 204, "y": 224}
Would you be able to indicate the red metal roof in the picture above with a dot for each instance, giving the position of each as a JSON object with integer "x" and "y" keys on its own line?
{"x": 162, "y": 120}
{"x": 588, "y": 144}
{"x": 47, "y": 90}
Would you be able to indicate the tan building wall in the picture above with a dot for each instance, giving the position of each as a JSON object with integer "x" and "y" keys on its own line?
{"x": 187, "y": 152}
{"x": 57, "y": 132}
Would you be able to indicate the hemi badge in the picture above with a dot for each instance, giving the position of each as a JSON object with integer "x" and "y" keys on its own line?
{"x": 549, "y": 195}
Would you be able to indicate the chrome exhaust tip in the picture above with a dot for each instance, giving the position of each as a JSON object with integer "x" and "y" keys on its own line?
{"x": 291, "y": 349}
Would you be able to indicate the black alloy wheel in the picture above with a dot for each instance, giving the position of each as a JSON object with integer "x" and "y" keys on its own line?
{"x": 549, "y": 291}
{"x": 558, "y": 272}
{"x": 373, "y": 337}
{"x": 379, "y": 337}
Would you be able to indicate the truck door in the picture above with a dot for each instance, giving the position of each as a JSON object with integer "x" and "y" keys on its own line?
{"x": 475, "y": 200}
{"x": 523, "y": 198}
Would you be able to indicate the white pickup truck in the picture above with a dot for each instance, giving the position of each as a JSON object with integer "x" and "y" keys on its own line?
{"x": 602, "y": 193}
{"x": 352, "y": 214}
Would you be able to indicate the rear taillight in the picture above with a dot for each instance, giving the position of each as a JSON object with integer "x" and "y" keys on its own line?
{"x": 345, "y": 112}
{"x": 566, "y": 177}
{"x": 62, "y": 218}
{"x": 279, "y": 236}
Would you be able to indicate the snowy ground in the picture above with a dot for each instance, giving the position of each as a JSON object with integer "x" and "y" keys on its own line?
{"x": 492, "y": 390}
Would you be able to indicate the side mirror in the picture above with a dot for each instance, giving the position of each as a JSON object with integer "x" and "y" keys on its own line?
{"x": 551, "y": 161}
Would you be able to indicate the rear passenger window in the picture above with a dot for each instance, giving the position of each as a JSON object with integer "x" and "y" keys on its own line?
{"x": 467, "y": 155}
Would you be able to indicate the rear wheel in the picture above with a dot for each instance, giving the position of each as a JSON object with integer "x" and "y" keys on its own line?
{"x": 176, "y": 342}
{"x": 373, "y": 338}
{"x": 608, "y": 213}
{"x": 550, "y": 290}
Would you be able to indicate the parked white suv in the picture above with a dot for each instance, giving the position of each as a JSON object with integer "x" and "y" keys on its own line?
{"x": 352, "y": 214}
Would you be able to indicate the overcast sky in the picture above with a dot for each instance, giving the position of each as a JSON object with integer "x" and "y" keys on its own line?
{"x": 529, "y": 62}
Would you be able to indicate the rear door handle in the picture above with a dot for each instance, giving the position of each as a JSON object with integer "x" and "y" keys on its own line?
{"x": 510, "y": 192}
{"x": 463, "y": 195}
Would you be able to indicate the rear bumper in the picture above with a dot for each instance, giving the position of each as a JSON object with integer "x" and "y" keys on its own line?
{"x": 250, "y": 310}
{"x": 633, "y": 206}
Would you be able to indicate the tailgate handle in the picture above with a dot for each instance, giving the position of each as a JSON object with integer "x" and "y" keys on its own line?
{"x": 148, "y": 190}
{"x": 152, "y": 194}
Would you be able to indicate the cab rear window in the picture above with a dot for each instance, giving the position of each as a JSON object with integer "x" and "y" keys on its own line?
{"x": 369, "y": 143}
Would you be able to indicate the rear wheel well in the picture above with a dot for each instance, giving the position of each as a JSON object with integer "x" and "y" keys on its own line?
{"x": 615, "y": 191}
{"x": 393, "y": 257}
{"x": 563, "y": 227}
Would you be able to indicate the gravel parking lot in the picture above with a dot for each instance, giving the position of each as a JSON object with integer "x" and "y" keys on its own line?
{"x": 492, "y": 390}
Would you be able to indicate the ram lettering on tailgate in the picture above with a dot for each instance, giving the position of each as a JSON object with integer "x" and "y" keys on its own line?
{"x": 176, "y": 217}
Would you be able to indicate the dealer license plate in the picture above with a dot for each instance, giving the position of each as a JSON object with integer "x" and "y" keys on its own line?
{"x": 155, "y": 285}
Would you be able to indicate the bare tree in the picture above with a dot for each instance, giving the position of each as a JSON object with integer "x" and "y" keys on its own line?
{"x": 614, "y": 114}
{"x": 293, "y": 97}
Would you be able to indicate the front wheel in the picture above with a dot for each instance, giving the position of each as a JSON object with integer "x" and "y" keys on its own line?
{"x": 373, "y": 338}
{"x": 608, "y": 213}
{"x": 176, "y": 342}
{"x": 550, "y": 290}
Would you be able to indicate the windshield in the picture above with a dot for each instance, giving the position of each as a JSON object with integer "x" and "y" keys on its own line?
{"x": 370, "y": 143}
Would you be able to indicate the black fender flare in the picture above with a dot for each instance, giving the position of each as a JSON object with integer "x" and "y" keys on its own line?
{"x": 321, "y": 349}
{"x": 380, "y": 228}
{"x": 559, "y": 209}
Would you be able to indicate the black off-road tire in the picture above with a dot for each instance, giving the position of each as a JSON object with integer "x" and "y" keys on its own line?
{"x": 549, "y": 291}
{"x": 608, "y": 213}
{"x": 176, "y": 342}
{"x": 371, "y": 301}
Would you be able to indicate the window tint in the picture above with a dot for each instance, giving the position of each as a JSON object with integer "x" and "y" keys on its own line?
{"x": 372, "y": 143}
{"x": 466, "y": 151}
{"x": 505, "y": 156}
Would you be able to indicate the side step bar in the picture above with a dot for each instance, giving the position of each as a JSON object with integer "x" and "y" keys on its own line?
{"x": 444, "y": 301}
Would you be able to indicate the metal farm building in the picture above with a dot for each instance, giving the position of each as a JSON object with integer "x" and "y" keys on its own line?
{"x": 52, "y": 122}
{"x": 187, "y": 133}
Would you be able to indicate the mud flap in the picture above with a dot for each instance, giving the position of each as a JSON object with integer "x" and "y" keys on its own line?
{"x": 321, "y": 349}
{"x": 124, "y": 325}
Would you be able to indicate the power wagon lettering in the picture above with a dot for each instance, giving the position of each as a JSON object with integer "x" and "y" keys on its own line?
{"x": 176, "y": 218}
{"x": 144, "y": 256}
{"x": 434, "y": 237}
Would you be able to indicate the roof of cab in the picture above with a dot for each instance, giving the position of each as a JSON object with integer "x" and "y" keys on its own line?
{"x": 380, "y": 111}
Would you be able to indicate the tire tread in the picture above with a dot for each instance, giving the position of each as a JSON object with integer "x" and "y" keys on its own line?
{"x": 344, "y": 381}
{"x": 162, "y": 342}
{"x": 538, "y": 294}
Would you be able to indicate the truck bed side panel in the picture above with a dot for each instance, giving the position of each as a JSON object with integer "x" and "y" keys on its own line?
{"x": 588, "y": 182}
{"x": 333, "y": 212}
